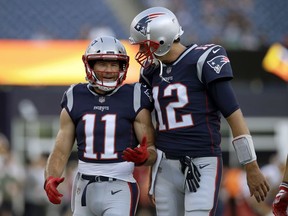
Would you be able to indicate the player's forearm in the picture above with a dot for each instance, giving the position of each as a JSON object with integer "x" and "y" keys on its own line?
{"x": 55, "y": 164}
{"x": 61, "y": 152}
{"x": 242, "y": 140}
{"x": 152, "y": 157}
{"x": 285, "y": 177}
{"x": 250, "y": 167}
{"x": 237, "y": 123}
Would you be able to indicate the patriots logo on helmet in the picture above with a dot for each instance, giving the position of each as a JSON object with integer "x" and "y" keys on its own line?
{"x": 141, "y": 26}
{"x": 218, "y": 62}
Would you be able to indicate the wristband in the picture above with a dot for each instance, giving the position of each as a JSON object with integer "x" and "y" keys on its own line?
{"x": 244, "y": 149}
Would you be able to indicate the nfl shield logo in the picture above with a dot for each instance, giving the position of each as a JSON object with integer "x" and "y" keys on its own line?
{"x": 169, "y": 69}
{"x": 101, "y": 99}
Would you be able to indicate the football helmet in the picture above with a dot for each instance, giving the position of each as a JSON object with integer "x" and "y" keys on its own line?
{"x": 155, "y": 30}
{"x": 105, "y": 48}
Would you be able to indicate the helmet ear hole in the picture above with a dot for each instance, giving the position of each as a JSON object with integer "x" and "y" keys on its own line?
{"x": 161, "y": 42}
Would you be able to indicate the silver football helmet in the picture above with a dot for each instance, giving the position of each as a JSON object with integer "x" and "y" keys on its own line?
{"x": 105, "y": 48}
{"x": 154, "y": 30}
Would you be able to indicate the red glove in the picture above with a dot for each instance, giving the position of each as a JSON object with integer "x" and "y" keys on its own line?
{"x": 138, "y": 155}
{"x": 50, "y": 187}
{"x": 280, "y": 203}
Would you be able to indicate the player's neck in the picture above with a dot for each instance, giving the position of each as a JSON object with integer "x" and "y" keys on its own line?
{"x": 176, "y": 50}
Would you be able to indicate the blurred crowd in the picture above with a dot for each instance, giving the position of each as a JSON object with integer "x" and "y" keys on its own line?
{"x": 22, "y": 193}
{"x": 224, "y": 22}
{"x": 229, "y": 23}
{"x": 247, "y": 24}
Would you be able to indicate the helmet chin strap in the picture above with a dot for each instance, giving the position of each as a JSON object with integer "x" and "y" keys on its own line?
{"x": 161, "y": 72}
{"x": 155, "y": 60}
{"x": 103, "y": 89}
{"x": 100, "y": 87}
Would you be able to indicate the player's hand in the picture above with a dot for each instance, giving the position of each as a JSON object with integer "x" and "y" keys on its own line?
{"x": 138, "y": 155}
{"x": 256, "y": 181}
{"x": 280, "y": 203}
{"x": 50, "y": 187}
{"x": 192, "y": 174}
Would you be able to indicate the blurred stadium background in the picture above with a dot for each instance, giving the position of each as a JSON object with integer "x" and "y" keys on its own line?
{"x": 41, "y": 44}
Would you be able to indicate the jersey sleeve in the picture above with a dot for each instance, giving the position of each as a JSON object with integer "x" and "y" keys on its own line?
{"x": 224, "y": 97}
{"x": 67, "y": 99}
{"x": 146, "y": 98}
{"x": 142, "y": 98}
{"x": 64, "y": 99}
{"x": 214, "y": 64}
{"x": 146, "y": 75}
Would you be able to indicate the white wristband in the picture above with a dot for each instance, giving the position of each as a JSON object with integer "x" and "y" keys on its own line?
{"x": 244, "y": 148}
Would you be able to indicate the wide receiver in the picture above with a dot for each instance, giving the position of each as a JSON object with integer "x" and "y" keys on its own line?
{"x": 280, "y": 204}
{"x": 191, "y": 89}
{"x": 107, "y": 119}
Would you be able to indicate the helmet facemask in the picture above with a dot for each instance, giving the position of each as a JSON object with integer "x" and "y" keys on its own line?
{"x": 106, "y": 49}
{"x": 146, "y": 54}
{"x": 105, "y": 80}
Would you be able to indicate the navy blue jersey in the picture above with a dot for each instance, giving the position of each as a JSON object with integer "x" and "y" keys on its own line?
{"x": 104, "y": 123}
{"x": 188, "y": 120}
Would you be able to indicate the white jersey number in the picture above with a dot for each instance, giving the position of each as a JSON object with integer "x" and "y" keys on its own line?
{"x": 171, "y": 109}
{"x": 109, "y": 140}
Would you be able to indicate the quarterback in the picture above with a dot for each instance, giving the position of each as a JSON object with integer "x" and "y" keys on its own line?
{"x": 107, "y": 119}
{"x": 191, "y": 91}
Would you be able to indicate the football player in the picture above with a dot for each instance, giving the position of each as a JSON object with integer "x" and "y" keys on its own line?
{"x": 191, "y": 89}
{"x": 107, "y": 119}
{"x": 280, "y": 203}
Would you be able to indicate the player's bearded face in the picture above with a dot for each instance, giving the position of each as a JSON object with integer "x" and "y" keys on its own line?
{"x": 107, "y": 71}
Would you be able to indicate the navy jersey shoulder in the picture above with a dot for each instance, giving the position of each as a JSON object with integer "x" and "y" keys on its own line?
{"x": 210, "y": 62}
{"x": 104, "y": 123}
{"x": 188, "y": 120}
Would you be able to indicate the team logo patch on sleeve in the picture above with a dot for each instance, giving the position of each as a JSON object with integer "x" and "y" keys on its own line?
{"x": 218, "y": 62}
